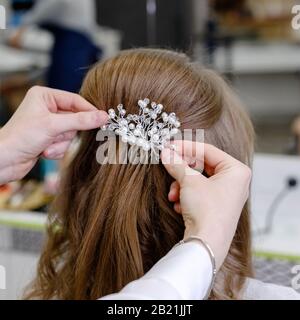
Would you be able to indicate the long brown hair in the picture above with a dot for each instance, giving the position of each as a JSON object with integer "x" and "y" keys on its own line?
{"x": 114, "y": 222}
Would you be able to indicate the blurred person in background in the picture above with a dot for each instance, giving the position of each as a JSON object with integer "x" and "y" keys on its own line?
{"x": 72, "y": 23}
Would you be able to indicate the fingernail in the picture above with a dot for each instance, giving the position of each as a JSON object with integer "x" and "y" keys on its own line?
{"x": 50, "y": 153}
{"x": 173, "y": 147}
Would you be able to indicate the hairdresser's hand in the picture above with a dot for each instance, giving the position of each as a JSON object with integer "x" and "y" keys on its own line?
{"x": 44, "y": 124}
{"x": 211, "y": 207}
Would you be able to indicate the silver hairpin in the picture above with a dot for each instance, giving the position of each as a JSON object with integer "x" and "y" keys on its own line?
{"x": 150, "y": 130}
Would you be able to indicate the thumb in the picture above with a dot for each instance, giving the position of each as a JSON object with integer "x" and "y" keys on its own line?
{"x": 176, "y": 166}
{"x": 80, "y": 121}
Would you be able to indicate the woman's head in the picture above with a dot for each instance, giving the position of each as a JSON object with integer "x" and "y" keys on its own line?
{"x": 114, "y": 221}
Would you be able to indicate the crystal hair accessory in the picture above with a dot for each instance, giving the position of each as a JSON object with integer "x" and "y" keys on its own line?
{"x": 150, "y": 130}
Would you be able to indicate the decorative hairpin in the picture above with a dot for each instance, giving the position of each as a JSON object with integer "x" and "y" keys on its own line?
{"x": 150, "y": 130}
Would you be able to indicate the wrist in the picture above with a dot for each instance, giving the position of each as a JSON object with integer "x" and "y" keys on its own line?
{"x": 4, "y": 150}
{"x": 214, "y": 238}
{"x": 14, "y": 164}
{"x": 192, "y": 227}
{"x": 6, "y": 160}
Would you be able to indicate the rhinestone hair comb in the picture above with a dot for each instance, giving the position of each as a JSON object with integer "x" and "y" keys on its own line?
{"x": 150, "y": 130}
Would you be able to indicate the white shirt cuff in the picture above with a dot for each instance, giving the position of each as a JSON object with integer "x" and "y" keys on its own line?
{"x": 185, "y": 273}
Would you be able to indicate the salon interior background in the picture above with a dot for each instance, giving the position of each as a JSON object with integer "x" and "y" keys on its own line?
{"x": 250, "y": 42}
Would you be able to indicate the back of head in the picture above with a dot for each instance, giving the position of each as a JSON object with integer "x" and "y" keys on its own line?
{"x": 114, "y": 220}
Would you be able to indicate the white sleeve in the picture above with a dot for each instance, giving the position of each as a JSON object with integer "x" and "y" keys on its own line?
{"x": 43, "y": 11}
{"x": 185, "y": 273}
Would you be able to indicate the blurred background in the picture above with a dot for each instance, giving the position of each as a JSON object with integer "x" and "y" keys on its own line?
{"x": 251, "y": 42}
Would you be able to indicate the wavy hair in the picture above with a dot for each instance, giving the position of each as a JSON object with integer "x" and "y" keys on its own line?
{"x": 114, "y": 222}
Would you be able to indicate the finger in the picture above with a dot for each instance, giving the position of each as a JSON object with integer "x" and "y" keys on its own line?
{"x": 66, "y": 136}
{"x": 67, "y": 101}
{"x": 210, "y": 155}
{"x": 174, "y": 193}
{"x": 57, "y": 150}
{"x": 79, "y": 121}
{"x": 176, "y": 165}
{"x": 177, "y": 207}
